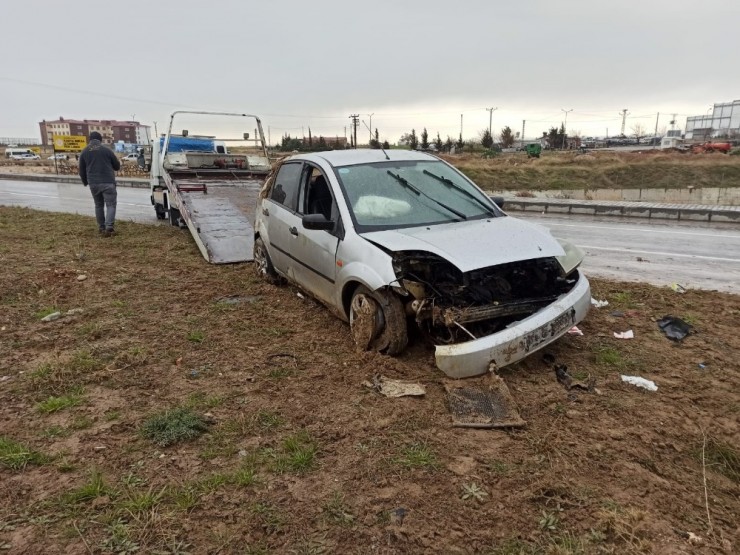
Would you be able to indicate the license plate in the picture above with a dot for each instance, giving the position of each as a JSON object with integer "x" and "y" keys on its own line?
{"x": 554, "y": 328}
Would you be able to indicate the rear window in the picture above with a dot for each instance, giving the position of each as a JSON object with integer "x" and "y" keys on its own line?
{"x": 285, "y": 190}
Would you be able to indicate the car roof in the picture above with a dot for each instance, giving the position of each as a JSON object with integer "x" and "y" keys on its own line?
{"x": 338, "y": 158}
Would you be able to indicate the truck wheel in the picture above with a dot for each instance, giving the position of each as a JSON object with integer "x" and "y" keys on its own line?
{"x": 263, "y": 264}
{"x": 175, "y": 217}
{"x": 378, "y": 321}
{"x": 160, "y": 211}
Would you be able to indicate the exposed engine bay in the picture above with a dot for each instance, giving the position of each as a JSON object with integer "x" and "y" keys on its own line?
{"x": 451, "y": 306}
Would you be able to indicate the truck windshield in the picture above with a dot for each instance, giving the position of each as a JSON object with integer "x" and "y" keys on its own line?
{"x": 395, "y": 194}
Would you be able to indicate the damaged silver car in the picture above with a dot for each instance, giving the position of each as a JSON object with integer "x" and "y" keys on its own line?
{"x": 392, "y": 239}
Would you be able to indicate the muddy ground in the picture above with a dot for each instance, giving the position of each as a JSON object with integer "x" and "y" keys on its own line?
{"x": 297, "y": 456}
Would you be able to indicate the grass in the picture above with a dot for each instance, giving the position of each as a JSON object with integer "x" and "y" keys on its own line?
{"x": 173, "y": 426}
{"x": 297, "y": 454}
{"x": 609, "y": 356}
{"x": 16, "y": 456}
{"x": 722, "y": 458}
{"x": 417, "y": 455}
{"x": 196, "y": 336}
{"x": 93, "y": 488}
{"x": 336, "y": 510}
{"x": 55, "y": 404}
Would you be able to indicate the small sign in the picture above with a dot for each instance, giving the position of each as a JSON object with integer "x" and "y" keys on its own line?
{"x": 69, "y": 143}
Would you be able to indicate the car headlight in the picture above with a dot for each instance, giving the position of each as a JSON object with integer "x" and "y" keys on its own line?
{"x": 572, "y": 258}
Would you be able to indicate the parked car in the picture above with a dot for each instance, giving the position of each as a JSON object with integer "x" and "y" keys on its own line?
{"x": 25, "y": 157}
{"x": 398, "y": 238}
{"x": 133, "y": 158}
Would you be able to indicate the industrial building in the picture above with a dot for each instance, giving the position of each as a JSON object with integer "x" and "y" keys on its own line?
{"x": 723, "y": 122}
{"x": 113, "y": 131}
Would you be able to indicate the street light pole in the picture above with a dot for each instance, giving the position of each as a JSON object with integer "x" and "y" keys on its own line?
{"x": 565, "y": 126}
{"x": 371, "y": 125}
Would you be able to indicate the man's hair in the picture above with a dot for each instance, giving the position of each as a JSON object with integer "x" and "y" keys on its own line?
{"x": 96, "y": 136}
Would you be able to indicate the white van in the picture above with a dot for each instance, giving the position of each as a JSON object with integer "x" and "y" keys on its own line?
{"x": 13, "y": 152}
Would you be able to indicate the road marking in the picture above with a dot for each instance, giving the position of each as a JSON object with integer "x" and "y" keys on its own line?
{"x": 644, "y": 230}
{"x": 658, "y": 253}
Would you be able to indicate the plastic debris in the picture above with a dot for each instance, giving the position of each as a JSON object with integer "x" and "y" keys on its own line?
{"x": 674, "y": 328}
{"x": 51, "y": 317}
{"x": 599, "y": 304}
{"x": 678, "y": 288}
{"x": 74, "y": 311}
{"x": 566, "y": 380}
{"x": 300, "y": 295}
{"x": 81, "y": 277}
{"x": 702, "y": 366}
{"x": 640, "y": 382}
{"x": 395, "y": 388}
{"x": 575, "y": 331}
{"x": 616, "y": 314}
{"x": 629, "y": 334}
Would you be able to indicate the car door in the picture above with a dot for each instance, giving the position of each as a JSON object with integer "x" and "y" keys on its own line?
{"x": 278, "y": 216}
{"x": 315, "y": 250}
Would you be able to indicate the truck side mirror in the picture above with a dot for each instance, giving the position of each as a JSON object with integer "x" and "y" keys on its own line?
{"x": 498, "y": 201}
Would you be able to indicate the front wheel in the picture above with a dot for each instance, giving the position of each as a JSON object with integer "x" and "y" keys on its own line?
{"x": 377, "y": 321}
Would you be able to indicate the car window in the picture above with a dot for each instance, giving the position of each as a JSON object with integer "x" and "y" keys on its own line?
{"x": 315, "y": 195}
{"x": 287, "y": 183}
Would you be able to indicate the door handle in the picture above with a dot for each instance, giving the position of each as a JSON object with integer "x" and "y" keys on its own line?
{"x": 293, "y": 231}
{"x": 265, "y": 212}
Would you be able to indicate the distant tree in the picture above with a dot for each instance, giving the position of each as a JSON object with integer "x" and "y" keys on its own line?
{"x": 310, "y": 139}
{"x": 405, "y": 139}
{"x": 375, "y": 142}
{"x": 639, "y": 131}
{"x": 486, "y": 139}
{"x": 506, "y": 137}
{"x": 413, "y": 141}
{"x": 563, "y": 136}
{"x": 438, "y": 143}
{"x": 322, "y": 143}
{"x": 448, "y": 144}
{"x": 386, "y": 144}
{"x": 555, "y": 137}
{"x": 460, "y": 143}
{"x": 424, "y": 140}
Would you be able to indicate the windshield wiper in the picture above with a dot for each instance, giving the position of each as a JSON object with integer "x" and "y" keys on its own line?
{"x": 468, "y": 194}
{"x": 403, "y": 181}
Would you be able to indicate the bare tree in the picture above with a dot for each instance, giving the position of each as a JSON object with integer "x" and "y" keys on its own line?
{"x": 639, "y": 131}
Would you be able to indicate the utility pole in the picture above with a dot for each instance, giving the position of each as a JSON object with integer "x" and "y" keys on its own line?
{"x": 490, "y": 120}
{"x": 524, "y": 123}
{"x": 355, "y": 120}
{"x": 461, "y": 125}
{"x": 371, "y": 125}
{"x": 624, "y": 119}
{"x": 656, "y": 130}
{"x": 565, "y": 125}
{"x": 269, "y": 141}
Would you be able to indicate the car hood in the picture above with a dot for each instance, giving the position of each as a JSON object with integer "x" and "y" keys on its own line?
{"x": 474, "y": 244}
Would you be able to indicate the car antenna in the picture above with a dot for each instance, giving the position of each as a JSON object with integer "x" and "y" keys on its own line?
{"x": 386, "y": 154}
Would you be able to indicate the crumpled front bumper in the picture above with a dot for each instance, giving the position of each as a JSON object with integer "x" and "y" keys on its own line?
{"x": 520, "y": 339}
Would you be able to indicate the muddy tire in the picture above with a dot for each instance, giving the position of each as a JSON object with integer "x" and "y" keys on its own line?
{"x": 175, "y": 217}
{"x": 263, "y": 264}
{"x": 378, "y": 321}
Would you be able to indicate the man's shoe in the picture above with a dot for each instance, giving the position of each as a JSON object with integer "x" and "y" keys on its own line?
{"x": 101, "y": 232}
{"x": 109, "y": 233}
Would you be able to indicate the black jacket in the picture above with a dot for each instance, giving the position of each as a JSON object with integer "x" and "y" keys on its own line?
{"x": 98, "y": 164}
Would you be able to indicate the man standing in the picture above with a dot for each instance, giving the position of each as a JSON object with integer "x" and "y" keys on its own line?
{"x": 98, "y": 167}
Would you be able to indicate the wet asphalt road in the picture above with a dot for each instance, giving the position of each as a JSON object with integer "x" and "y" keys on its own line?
{"x": 694, "y": 254}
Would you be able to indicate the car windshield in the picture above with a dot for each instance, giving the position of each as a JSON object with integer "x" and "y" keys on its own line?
{"x": 396, "y": 194}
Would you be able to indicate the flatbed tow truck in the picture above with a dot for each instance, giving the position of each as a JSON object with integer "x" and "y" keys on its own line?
{"x": 198, "y": 183}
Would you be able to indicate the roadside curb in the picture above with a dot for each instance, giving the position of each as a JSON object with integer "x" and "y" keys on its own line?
{"x": 138, "y": 183}
{"x": 649, "y": 210}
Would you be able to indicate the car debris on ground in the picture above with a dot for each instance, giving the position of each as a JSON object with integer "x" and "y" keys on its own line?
{"x": 674, "y": 328}
{"x": 599, "y": 304}
{"x": 640, "y": 382}
{"x": 629, "y": 334}
{"x": 487, "y": 405}
{"x": 395, "y": 388}
{"x": 678, "y": 288}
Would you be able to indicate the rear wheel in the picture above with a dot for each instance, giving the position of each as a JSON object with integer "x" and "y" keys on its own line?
{"x": 160, "y": 211}
{"x": 378, "y": 321}
{"x": 263, "y": 264}
{"x": 175, "y": 217}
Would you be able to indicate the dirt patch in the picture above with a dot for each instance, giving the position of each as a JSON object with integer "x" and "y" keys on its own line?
{"x": 299, "y": 456}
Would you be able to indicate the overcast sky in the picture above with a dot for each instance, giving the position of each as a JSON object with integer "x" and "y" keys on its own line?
{"x": 413, "y": 64}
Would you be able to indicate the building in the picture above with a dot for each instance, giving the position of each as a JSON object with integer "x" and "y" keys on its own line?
{"x": 723, "y": 122}
{"x": 113, "y": 131}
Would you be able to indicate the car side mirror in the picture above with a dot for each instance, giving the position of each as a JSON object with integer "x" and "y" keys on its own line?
{"x": 498, "y": 201}
{"x": 317, "y": 221}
